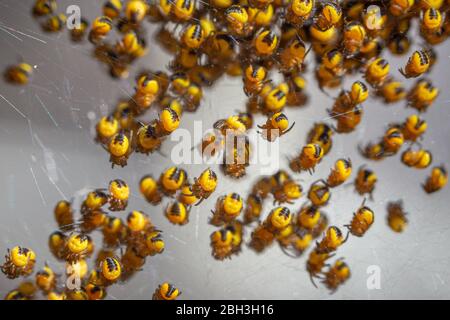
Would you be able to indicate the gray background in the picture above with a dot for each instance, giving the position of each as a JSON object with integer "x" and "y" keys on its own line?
{"x": 47, "y": 156}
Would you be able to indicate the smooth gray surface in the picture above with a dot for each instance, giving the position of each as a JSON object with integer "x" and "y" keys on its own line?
{"x": 48, "y": 156}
